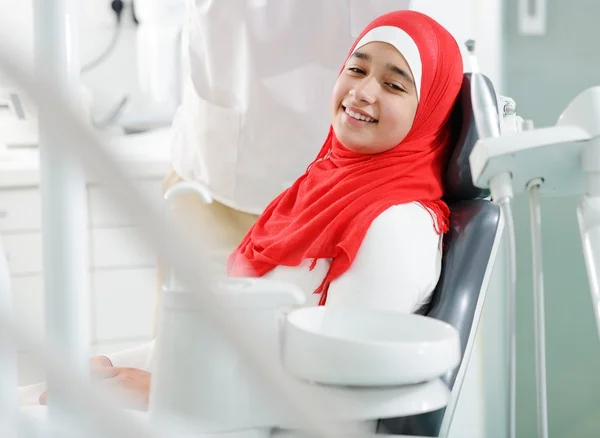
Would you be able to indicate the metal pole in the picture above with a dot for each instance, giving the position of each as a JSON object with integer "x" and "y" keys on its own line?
{"x": 538, "y": 310}
{"x": 511, "y": 317}
{"x": 64, "y": 202}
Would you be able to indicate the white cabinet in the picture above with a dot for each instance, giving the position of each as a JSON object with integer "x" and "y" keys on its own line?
{"x": 20, "y": 209}
{"x": 123, "y": 274}
{"x": 123, "y": 304}
{"x": 122, "y": 269}
{"x": 28, "y": 302}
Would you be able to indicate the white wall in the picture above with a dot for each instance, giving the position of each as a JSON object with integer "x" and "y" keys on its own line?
{"x": 117, "y": 77}
{"x": 111, "y": 81}
{"x": 16, "y": 30}
{"x": 480, "y": 20}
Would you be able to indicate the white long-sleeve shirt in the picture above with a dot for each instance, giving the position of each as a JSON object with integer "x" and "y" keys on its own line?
{"x": 397, "y": 267}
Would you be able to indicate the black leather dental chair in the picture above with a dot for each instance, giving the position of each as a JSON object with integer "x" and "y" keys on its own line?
{"x": 470, "y": 249}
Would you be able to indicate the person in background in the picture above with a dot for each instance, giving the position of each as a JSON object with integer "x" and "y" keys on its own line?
{"x": 258, "y": 71}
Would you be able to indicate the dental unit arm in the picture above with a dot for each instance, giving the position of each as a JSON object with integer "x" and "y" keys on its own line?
{"x": 561, "y": 160}
{"x": 566, "y": 157}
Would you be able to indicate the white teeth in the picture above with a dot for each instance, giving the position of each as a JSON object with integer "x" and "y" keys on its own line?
{"x": 358, "y": 116}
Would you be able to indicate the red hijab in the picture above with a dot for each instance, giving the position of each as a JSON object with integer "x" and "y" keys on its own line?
{"x": 326, "y": 213}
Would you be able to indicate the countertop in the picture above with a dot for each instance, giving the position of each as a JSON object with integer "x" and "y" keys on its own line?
{"x": 144, "y": 156}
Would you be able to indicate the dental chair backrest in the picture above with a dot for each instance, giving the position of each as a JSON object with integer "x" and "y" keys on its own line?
{"x": 469, "y": 253}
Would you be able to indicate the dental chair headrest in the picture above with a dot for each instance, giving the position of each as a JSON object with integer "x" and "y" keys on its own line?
{"x": 458, "y": 182}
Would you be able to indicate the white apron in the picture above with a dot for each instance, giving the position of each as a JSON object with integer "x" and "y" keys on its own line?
{"x": 256, "y": 98}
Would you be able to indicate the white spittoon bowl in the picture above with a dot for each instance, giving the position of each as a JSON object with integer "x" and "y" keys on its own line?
{"x": 365, "y": 347}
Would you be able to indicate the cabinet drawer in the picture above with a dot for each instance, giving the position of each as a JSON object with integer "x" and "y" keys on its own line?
{"x": 28, "y": 303}
{"x": 31, "y": 372}
{"x": 109, "y": 248}
{"x": 23, "y": 253}
{"x": 120, "y": 247}
{"x": 123, "y": 304}
{"x": 105, "y": 213}
{"x": 20, "y": 210}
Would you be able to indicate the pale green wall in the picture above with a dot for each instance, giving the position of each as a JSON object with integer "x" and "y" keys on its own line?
{"x": 543, "y": 74}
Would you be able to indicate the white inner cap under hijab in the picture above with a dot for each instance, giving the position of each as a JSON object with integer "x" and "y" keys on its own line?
{"x": 403, "y": 43}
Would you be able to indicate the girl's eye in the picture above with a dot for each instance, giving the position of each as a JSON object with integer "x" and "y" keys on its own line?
{"x": 396, "y": 87}
{"x": 357, "y": 70}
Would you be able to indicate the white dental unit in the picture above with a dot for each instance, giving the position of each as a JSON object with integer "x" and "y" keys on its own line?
{"x": 562, "y": 160}
{"x": 372, "y": 365}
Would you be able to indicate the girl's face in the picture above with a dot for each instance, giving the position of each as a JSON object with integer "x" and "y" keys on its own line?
{"x": 374, "y": 100}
